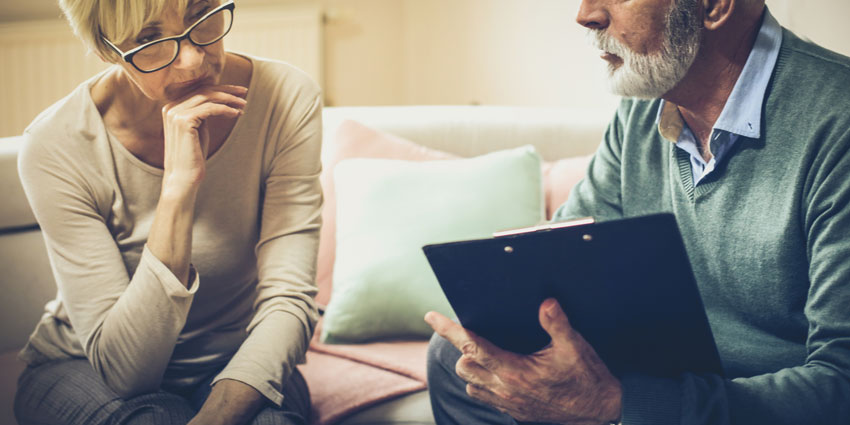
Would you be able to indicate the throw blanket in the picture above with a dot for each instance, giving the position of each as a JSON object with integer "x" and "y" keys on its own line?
{"x": 344, "y": 379}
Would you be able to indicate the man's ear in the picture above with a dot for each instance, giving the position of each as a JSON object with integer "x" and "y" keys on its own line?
{"x": 717, "y": 13}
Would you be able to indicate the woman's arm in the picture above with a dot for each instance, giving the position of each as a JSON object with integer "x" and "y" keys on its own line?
{"x": 184, "y": 166}
{"x": 229, "y": 403}
{"x": 284, "y": 311}
{"x": 126, "y": 320}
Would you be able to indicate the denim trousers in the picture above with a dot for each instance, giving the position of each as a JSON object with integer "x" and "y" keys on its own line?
{"x": 70, "y": 392}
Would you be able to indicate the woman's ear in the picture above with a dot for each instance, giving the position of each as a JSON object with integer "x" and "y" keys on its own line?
{"x": 717, "y": 13}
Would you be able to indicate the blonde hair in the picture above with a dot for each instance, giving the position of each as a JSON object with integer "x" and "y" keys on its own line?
{"x": 117, "y": 20}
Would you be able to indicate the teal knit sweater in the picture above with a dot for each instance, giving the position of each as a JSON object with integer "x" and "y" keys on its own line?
{"x": 768, "y": 236}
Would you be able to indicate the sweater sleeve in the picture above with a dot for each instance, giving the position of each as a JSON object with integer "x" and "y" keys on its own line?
{"x": 598, "y": 194}
{"x": 285, "y": 312}
{"x": 126, "y": 325}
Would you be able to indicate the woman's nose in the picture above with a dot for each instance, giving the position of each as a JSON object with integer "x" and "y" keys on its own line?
{"x": 190, "y": 55}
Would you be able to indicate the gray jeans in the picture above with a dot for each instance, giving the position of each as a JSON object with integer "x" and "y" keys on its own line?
{"x": 449, "y": 401}
{"x": 71, "y": 392}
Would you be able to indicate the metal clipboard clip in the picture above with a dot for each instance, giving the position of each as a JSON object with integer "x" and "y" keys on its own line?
{"x": 544, "y": 227}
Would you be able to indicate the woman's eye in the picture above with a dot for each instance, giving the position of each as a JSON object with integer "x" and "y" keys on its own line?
{"x": 198, "y": 14}
{"x": 147, "y": 38}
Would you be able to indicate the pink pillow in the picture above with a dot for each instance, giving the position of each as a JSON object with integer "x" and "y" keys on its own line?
{"x": 354, "y": 140}
{"x": 559, "y": 177}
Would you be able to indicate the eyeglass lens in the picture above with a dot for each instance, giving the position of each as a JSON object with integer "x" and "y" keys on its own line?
{"x": 206, "y": 32}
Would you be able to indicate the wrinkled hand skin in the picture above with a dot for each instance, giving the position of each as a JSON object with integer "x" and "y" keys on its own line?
{"x": 565, "y": 382}
{"x": 187, "y": 133}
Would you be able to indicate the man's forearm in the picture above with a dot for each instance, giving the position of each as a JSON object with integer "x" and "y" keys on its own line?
{"x": 230, "y": 402}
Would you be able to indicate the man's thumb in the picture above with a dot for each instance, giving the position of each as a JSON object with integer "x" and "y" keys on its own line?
{"x": 554, "y": 321}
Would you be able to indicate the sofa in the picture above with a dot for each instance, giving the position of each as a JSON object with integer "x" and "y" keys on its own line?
{"x": 379, "y": 381}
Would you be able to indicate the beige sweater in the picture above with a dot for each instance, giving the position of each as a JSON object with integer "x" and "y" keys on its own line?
{"x": 250, "y": 309}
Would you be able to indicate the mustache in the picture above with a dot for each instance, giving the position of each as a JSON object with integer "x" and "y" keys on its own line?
{"x": 602, "y": 40}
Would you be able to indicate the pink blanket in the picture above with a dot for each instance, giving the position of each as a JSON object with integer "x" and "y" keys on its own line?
{"x": 346, "y": 378}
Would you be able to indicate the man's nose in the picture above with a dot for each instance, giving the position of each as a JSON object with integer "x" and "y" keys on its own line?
{"x": 592, "y": 14}
{"x": 190, "y": 55}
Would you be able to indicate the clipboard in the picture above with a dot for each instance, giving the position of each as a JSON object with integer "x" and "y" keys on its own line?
{"x": 626, "y": 286}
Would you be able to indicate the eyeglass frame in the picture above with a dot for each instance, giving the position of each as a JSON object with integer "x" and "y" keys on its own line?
{"x": 128, "y": 56}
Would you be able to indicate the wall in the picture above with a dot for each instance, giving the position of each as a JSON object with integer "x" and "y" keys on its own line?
{"x": 511, "y": 54}
{"x": 364, "y": 45}
{"x": 42, "y": 61}
{"x": 519, "y": 52}
{"x": 515, "y": 52}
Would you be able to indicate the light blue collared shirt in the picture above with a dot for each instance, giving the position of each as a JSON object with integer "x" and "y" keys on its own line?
{"x": 742, "y": 113}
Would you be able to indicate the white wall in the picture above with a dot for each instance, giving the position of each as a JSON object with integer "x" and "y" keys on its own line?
{"x": 364, "y": 45}
{"x": 519, "y": 52}
{"x": 511, "y": 52}
{"x": 41, "y": 61}
{"x": 822, "y": 21}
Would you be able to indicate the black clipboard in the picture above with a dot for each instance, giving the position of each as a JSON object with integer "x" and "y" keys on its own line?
{"x": 626, "y": 285}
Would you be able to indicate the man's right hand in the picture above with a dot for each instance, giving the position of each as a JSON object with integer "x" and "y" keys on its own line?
{"x": 565, "y": 382}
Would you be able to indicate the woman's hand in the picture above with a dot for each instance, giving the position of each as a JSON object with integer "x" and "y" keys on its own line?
{"x": 229, "y": 403}
{"x": 187, "y": 139}
{"x": 187, "y": 142}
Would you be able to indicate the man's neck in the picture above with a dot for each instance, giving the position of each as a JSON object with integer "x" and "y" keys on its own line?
{"x": 702, "y": 94}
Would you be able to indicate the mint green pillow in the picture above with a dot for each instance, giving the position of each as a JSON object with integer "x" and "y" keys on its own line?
{"x": 388, "y": 209}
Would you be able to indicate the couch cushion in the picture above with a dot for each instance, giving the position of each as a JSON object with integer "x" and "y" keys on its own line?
{"x": 410, "y": 409}
{"x": 10, "y": 369}
{"x": 26, "y": 273}
{"x": 467, "y": 131}
{"x": 340, "y": 387}
{"x": 345, "y": 379}
{"x": 559, "y": 177}
{"x": 15, "y": 210}
{"x": 388, "y": 209}
{"x": 354, "y": 140}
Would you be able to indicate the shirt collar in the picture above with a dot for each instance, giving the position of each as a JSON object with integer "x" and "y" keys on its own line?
{"x": 742, "y": 112}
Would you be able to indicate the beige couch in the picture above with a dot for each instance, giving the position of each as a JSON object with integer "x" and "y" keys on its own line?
{"x": 27, "y": 281}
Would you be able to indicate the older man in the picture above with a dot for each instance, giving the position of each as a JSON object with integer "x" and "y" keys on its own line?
{"x": 742, "y": 130}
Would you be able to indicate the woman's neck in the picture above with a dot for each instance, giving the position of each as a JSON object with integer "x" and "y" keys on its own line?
{"x": 124, "y": 107}
{"x": 135, "y": 120}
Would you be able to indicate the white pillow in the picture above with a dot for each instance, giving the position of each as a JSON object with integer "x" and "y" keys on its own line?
{"x": 388, "y": 209}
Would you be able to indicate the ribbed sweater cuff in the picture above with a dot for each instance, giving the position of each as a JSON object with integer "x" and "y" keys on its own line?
{"x": 648, "y": 400}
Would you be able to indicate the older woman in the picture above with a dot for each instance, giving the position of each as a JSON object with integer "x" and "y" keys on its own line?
{"x": 178, "y": 194}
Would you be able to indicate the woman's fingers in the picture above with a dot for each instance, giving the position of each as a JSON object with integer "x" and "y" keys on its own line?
{"x": 209, "y": 109}
{"x": 233, "y": 98}
{"x": 186, "y": 127}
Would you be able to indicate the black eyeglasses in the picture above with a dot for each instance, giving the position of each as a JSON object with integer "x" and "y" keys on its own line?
{"x": 153, "y": 56}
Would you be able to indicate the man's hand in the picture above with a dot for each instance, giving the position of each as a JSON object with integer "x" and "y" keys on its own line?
{"x": 565, "y": 382}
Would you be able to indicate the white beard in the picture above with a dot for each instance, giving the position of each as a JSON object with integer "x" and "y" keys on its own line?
{"x": 651, "y": 75}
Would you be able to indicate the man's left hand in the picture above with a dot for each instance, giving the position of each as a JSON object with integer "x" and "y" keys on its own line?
{"x": 565, "y": 382}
